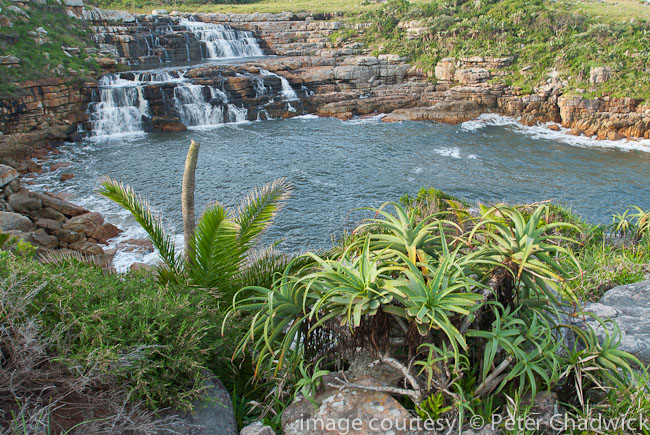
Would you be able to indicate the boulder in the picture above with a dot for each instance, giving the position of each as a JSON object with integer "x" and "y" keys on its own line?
{"x": 360, "y": 410}
{"x": 7, "y": 175}
{"x": 22, "y": 202}
{"x": 14, "y": 222}
{"x": 48, "y": 224}
{"x": 104, "y": 232}
{"x": 629, "y": 306}
{"x": 60, "y": 205}
{"x": 86, "y": 224}
{"x": 86, "y": 247}
{"x": 213, "y": 412}
{"x": 257, "y": 428}
{"x": 44, "y": 239}
{"x": 599, "y": 74}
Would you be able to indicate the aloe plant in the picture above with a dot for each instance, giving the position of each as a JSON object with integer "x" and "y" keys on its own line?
{"x": 528, "y": 249}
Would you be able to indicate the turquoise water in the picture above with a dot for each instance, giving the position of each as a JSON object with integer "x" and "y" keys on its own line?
{"x": 339, "y": 166}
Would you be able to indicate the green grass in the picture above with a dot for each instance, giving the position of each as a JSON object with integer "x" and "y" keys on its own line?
{"x": 353, "y": 7}
{"x": 48, "y": 59}
{"x": 617, "y": 10}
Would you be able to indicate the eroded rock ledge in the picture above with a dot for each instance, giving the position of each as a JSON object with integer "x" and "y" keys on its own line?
{"x": 341, "y": 80}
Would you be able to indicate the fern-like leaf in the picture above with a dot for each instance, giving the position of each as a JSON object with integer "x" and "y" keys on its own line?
{"x": 215, "y": 256}
{"x": 139, "y": 207}
{"x": 257, "y": 211}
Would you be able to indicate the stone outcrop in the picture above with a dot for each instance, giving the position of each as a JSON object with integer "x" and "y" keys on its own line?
{"x": 46, "y": 113}
{"x": 49, "y": 222}
{"x": 629, "y": 306}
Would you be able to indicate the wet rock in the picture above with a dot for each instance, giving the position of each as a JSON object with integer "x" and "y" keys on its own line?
{"x": 7, "y": 175}
{"x": 136, "y": 245}
{"x": 451, "y": 112}
{"x": 59, "y": 165}
{"x": 105, "y": 232}
{"x": 65, "y": 177}
{"x": 629, "y": 306}
{"x": 15, "y": 222}
{"x": 554, "y": 127}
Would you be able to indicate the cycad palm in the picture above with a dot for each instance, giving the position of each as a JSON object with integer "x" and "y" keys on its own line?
{"x": 216, "y": 250}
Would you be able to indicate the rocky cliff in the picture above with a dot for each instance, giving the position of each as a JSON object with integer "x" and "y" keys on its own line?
{"x": 334, "y": 79}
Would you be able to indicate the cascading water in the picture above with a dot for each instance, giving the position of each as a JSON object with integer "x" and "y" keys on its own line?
{"x": 222, "y": 41}
{"x": 199, "y": 106}
{"x": 118, "y": 107}
{"x": 288, "y": 94}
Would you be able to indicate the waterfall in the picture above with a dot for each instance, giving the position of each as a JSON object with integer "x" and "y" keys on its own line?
{"x": 288, "y": 94}
{"x": 199, "y": 106}
{"x": 118, "y": 107}
{"x": 222, "y": 41}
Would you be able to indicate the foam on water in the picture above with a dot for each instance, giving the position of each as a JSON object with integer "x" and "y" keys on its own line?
{"x": 543, "y": 132}
{"x": 449, "y": 152}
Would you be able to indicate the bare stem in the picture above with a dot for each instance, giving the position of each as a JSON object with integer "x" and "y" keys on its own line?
{"x": 187, "y": 196}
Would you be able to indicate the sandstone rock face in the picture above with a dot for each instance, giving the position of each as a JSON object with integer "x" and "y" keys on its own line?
{"x": 629, "y": 306}
{"x": 471, "y": 75}
{"x": 446, "y": 69}
{"x": 45, "y": 114}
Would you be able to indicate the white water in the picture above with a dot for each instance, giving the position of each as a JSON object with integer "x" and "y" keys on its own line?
{"x": 120, "y": 107}
{"x": 542, "y": 131}
{"x": 199, "y": 105}
{"x": 223, "y": 41}
{"x": 288, "y": 93}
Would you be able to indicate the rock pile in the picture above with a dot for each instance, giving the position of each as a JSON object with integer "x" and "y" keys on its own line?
{"x": 49, "y": 222}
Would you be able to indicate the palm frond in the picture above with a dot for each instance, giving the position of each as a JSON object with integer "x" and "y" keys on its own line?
{"x": 214, "y": 257}
{"x": 139, "y": 207}
{"x": 258, "y": 209}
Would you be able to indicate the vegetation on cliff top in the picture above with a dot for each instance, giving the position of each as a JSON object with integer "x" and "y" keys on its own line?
{"x": 39, "y": 36}
{"x": 546, "y": 41}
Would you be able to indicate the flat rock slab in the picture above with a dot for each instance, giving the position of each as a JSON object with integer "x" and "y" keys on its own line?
{"x": 629, "y": 306}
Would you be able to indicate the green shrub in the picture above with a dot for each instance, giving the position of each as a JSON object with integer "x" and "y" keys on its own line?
{"x": 476, "y": 304}
{"x": 153, "y": 340}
